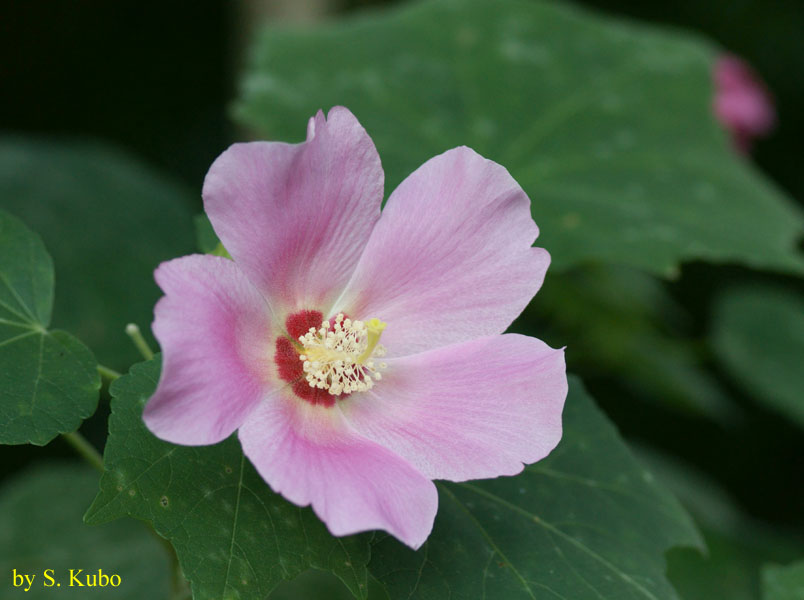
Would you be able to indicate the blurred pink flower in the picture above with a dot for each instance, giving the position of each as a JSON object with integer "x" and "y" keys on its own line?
{"x": 282, "y": 343}
{"x": 742, "y": 102}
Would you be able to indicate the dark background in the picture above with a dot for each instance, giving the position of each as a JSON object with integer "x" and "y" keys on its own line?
{"x": 157, "y": 78}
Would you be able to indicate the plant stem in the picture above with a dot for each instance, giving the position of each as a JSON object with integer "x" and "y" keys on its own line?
{"x": 108, "y": 373}
{"x": 134, "y": 333}
{"x": 85, "y": 449}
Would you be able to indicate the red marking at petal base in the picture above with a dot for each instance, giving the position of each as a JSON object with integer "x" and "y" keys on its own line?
{"x": 313, "y": 395}
{"x": 287, "y": 360}
{"x": 300, "y": 322}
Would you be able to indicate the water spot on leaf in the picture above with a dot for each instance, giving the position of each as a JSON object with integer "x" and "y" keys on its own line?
{"x": 571, "y": 220}
{"x": 625, "y": 138}
{"x": 611, "y": 103}
{"x": 466, "y": 36}
{"x": 634, "y": 190}
{"x": 602, "y": 151}
{"x": 484, "y": 127}
{"x": 705, "y": 191}
{"x": 518, "y": 51}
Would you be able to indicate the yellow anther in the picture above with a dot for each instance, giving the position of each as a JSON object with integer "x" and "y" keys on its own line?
{"x": 337, "y": 357}
{"x": 375, "y": 328}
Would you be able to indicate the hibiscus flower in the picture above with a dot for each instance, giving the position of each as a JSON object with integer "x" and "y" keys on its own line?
{"x": 742, "y": 102}
{"x": 358, "y": 353}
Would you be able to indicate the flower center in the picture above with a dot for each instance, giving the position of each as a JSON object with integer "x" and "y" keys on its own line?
{"x": 338, "y": 357}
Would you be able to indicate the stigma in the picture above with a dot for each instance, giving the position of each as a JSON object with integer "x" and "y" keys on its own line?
{"x": 339, "y": 356}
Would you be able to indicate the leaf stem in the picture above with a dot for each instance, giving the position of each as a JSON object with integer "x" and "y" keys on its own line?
{"x": 85, "y": 449}
{"x": 108, "y": 373}
{"x": 133, "y": 331}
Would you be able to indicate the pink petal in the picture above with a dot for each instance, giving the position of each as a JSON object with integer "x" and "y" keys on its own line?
{"x": 296, "y": 217}
{"x": 309, "y": 455}
{"x": 215, "y": 332}
{"x": 472, "y": 410}
{"x": 451, "y": 258}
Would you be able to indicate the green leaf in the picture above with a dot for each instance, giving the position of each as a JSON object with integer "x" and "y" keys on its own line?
{"x": 313, "y": 585}
{"x": 206, "y": 239}
{"x": 109, "y": 221}
{"x": 234, "y": 537}
{"x": 736, "y": 545}
{"x": 587, "y": 522}
{"x": 758, "y": 335}
{"x": 621, "y": 321}
{"x": 38, "y": 533}
{"x": 607, "y": 125}
{"x": 50, "y": 379}
{"x": 783, "y": 583}
{"x": 728, "y": 569}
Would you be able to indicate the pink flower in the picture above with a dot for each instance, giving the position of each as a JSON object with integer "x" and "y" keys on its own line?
{"x": 742, "y": 103}
{"x": 282, "y": 343}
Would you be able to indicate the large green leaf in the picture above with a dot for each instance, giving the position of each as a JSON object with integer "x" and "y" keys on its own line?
{"x": 38, "y": 533}
{"x": 587, "y": 522}
{"x": 607, "y": 125}
{"x": 49, "y": 380}
{"x": 234, "y": 537}
{"x": 108, "y": 221}
{"x": 758, "y": 335}
{"x": 783, "y": 583}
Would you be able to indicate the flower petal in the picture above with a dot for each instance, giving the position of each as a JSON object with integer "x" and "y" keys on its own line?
{"x": 451, "y": 258}
{"x": 310, "y": 456}
{"x": 215, "y": 332}
{"x": 742, "y": 102}
{"x": 472, "y": 410}
{"x": 295, "y": 217}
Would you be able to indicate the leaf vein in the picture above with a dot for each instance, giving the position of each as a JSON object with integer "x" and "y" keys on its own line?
{"x": 234, "y": 526}
{"x": 622, "y": 575}
{"x": 491, "y": 542}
